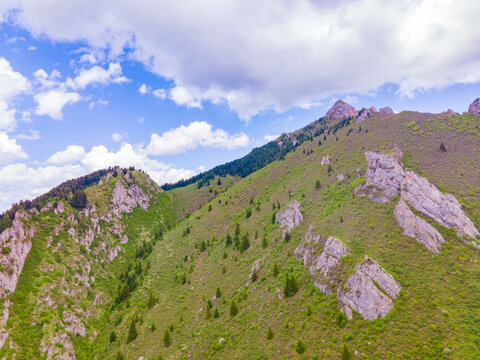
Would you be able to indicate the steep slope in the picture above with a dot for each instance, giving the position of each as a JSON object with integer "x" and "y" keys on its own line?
{"x": 232, "y": 244}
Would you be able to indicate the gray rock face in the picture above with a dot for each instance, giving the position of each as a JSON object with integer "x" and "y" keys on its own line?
{"x": 321, "y": 264}
{"x": 362, "y": 295}
{"x": 474, "y": 107}
{"x": 255, "y": 269}
{"x": 386, "y": 110}
{"x": 289, "y": 217}
{"x": 384, "y": 172}
{"x": 443, "y": 208}
{"x": 385, "y": 176}
{"x": 418, "y": 228}
{"x": 341, "y": 110}
{"x": 325, "y": 161}
{"x": 125, "y": 197}
{"x": 364, "y": 114}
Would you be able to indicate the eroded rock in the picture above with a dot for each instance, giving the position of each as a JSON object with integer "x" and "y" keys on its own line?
{"x": 364, "y": 114}
{"x": 386, "y": 110}
{"x": 325, "y": 161}
{"x": 360, "y": 292}
{"x": 289, "y": 217}
{"x": 255, "y": 269}
{"x": 418, "y": 228}
{"x": 474, "y": 107}
{"x": 341, "y": 110}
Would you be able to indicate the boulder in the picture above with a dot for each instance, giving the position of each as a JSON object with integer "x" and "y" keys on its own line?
{"x": 289, "y": 217}
{"x": 341, "y": 110}
{"x": 418, "y": 228}
{"x": 360, "y": 291}
{"x": 474, "y": 107}
{"x": 386, "y": 110}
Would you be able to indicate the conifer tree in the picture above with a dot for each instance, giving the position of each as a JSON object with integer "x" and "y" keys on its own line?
{"x": 233, "y": 309}
{"x": 300, "y": 347}
{"x": 275, "y": 270}
{"x": 345, "y": 353}
{"x": 264, "y": 241}
{"x": 208, "y": 314}
{"x": 113, "y": 336}
{"x": 224, "y": 270}
{"x": 132, "y": 332}
{"x": 269, "y": 333}
{"x": 218, "y": 293}
{"x": 167, "y": 340}
{"x": 216, "y": 314}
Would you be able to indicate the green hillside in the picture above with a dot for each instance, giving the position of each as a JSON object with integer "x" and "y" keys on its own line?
{"x": 177, "y": 289}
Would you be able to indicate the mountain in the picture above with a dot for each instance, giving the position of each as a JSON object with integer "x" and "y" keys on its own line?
{"x": 353, "y": 236}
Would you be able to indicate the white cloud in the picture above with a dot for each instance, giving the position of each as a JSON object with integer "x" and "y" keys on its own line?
{"x": 10, "y": 150}
{"x": 97, "y": 75}
{"x": 52, "y": 102}
{"x": 34, "y": 135}
{"x": 160, "y": 93}
{"x": 116, "y": 137}
{"x": 88, "y": 58}
{"x": 270, "y": 137}
{"x": 275, "y": 55}
{"x": 71, "y": 154}
{"x": 197, "y": 133}
{"x": 32, "y": 48}
{"x": 141, "y": 120}
{"x": 143, "y": 89}
{"x": 12, "y": 83}
{"x": 99, "y": 104}
{"x": 46, "y": 81}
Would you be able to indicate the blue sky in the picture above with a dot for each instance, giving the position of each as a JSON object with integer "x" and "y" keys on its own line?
{"x": 179, "y": 88}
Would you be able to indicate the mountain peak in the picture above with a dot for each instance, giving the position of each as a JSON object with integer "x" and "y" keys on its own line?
{"x": 341, "y": 110}
{"x": 474, "y": 107}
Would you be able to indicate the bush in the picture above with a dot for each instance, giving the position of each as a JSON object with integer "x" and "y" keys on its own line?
{"x": 345, "y": 353}
{"x": 341, "y": 319}
{"x": 291, "y": 286}
{"x": 216, "y": 314}
{"x": 275, "y": 270}
{"x": 300, "y": 347}
{"x": 248, "y": 214}
{"x": 287, "y": 237}
{"x": 218, "y": 293}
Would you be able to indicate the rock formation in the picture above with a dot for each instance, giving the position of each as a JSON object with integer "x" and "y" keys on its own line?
{"x": 386, "y": 110}
{"x": 325, "y": 161}
{"x": 341, "y": 110}
{"x": 360, "y": 291}
{"x": 340, "y": 177}
{"x": 321, "y": 264}
{"x": 255, "y": 269}
{"x": 364, "y": 114}
{"x": 417, "y": 228}
{"x": 385, "y": 178}
{"x": 289, "y": 217}
{"x": 474, "y": 107}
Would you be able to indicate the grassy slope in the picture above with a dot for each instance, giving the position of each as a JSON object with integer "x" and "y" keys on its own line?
{"x": 436, "y": 316}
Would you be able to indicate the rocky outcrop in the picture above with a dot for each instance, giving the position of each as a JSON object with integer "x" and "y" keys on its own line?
{"x": 340, "y": 177}
{"x": 360, "y": 291}
{"x": 443, "y": 208}
{"x": 386, "y": 110}
{"x": 289, "y": 217}
{"x": 255, "y": 269}
{"x": 364, "y": 114}
{"x": 417, "y": 228}
{"x": 341, "y": 110}
{"x": 73, "y": 324}
{"x": 325, "y": 161}
{"x": 385, "y": 175}
{"x": 321, "y": 264}
{"x": 125, "y": 197}
{"x": 51, "y": 351}
{"x": 474, "y": 107}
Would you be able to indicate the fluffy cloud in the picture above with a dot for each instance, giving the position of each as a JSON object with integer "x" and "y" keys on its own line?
{"x": 270, "y": 137}
{"x": 143, "y": 89}
{"x": 34, "y": 135}
{"x": 12, "y": 83}
{"x": 197, "y": 133}
{"x": 46, "y": 81}
{"x": 52, "y": 102}
{"x": 97, "y": 75}
{"x": 10, "y": 150}
{"x": 116, "y": 137}
{"x": 277, "y": 54}
{"x": 71, "y": 154}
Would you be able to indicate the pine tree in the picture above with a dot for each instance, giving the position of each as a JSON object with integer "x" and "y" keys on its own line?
{"x": 209, "y": 304}
{"x": 233, "y": 309}
{"x": 224, "y": 270}
{"x": 300, "y": 347}
{"x": 264, "y": 241}
{"x": 443, "y": 148}
{"x": 275, "y": 270}
{"x": 216, "y": 314}
{"x": 152, "y": 327}
{"x": 132, "y": 332}
{"x": 269, "y": 333}
{"x": 203, "y": 246}
{"x": 113, "y": 336}
{"x": 318, "y": 185}
{"x": 225, "y": 254}
{"x": 119, "y": 356}
{"x": 245, "y": 243}
{"x": 218, "y": 293}
{"x": 228, "y": 240}
{"x": 167, "y": 340}
{"x": 208, "y": 314}
{"x": 291, "y": 286}
{"x": 254, "y": 276}
{"x": 237, "y": 230}
{"x": 345, "y": 353}
{"x": 210, "y": 207}
{"x": 287, "y": 237}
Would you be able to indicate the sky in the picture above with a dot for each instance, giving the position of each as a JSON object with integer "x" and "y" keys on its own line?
{"x": 178, "y": 87}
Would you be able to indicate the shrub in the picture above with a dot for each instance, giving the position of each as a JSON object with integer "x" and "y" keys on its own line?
{"x": 275, "y": 270}
{"x": 269, "y": 333}
{"x": 287, "y": 237}
{"x": 300, "y": 347}
{"x": 119, "y": 356}
{"x": 248, "y": 214}
{"x": 291, "y": 286}
{"x": 218, "y": 293}
{"x": 216, "y": 314}
{"x": 132, "y": 332}
{"x": 113, "y": 337}
{"x": 345, "y": 353}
